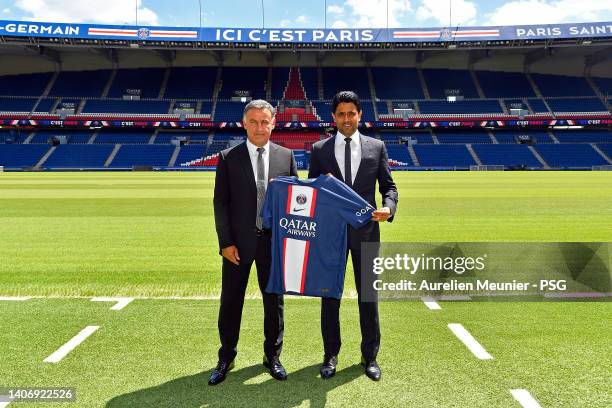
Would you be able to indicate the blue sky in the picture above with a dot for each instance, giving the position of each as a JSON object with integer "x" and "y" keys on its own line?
{"x": 309, "y": 13}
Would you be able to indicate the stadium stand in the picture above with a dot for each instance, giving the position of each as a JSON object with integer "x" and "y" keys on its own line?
{"x": 80, "y": 83}
{"x": 397, "y": 83}
{"x": 191, "y": 83}
{"x": 294, "y": 90}
{"x": 571, "y": 156}
{"x": 497, "y": 84}
{"x": 20, "y": 155}
{"x": 506, "y": 154}
{"x": 147, "y": 80}
{"x": 148, "y": 155}
{"x": 92, "y": 156}
{"x": 441, "y": 81}
{"x": 444, "y": 156}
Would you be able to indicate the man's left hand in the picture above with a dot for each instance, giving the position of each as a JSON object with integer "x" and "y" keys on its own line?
{"x": 381, "y": 214}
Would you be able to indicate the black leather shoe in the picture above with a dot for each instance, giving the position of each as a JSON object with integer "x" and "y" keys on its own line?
{"x": 372, "y": 370}
{"x": 276, "y": 369}
{"x": 219, "y": 373}
{"x": 328, "y": 368}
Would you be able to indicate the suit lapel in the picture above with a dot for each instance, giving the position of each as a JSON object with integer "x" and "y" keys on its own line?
{"x": 273, "y": 169}
{"x": 247, "y": 167}
{"x": 365, "y": 154}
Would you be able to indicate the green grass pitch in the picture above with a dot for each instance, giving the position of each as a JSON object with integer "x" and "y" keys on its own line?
{"x": 67, "y": 237}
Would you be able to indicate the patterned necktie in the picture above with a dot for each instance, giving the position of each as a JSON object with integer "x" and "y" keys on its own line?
{"x": 348, "y": 177}
{"x": 261, "y": 186}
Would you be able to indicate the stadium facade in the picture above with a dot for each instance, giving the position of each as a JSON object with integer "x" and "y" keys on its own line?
{"x": 79, "y": 96}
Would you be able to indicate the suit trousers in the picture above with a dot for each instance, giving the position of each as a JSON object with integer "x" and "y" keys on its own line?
{"x": 368, "y": 311}
{"x": 233, "y": 288}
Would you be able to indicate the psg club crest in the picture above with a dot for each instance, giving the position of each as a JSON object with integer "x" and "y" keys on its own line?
{"x": 144, "y": 33}
{"x": 301, "y": 199}
{"x": 446, "y": 34}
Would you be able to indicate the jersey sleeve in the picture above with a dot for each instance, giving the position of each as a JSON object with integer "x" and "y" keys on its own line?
{"x": 350, "y": 206}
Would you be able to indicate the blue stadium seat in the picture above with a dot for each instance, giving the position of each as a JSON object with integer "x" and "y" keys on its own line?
{"x": 189, "y": 153}
{"x": 280, "y": 76}
{"x": 399, "y": 152}
{"x": 227, "y": 111}
{"x": 463, "y": 137}
{"x": 309, "y": 80}
{"x": 606, "y": 148}
{"x": 604, "y": 85}
{"x": 79, "y": 156}
{"x": 20, "y": 155}
{"x": 80, "y": 83}
{"x": 397, "y": 83}
{"x": 323, "y": 109}
{"x": 460, "y": 107}
{"x": 121, "y": 106}
{"x": 444, "y": 156}
{"x": 240, "y": 79}
{"x": 17, "y": 104}
{"x": 191, "y": 83}
{"x": 123, "y": 137}
{"x": 570, "y": 155}
{"x": 576, "y": 105}
{"x": 583, "y": 136}
{"x": 346, "y": 79}
{"x": 382, "y": 108}
{"x": 506, "y": 154}
{"x": 537, "y": 105}
{"x": 24, "y": 84}
{"x": 148, "y": 80}
{"x": 143, "y": 155}
{"x": 438, "y": 80}
{"x": 510, "y": 136}
{"x": 496, "y": 84}
{"x": 562, "y": 85}
{"x": 45, "y": 105}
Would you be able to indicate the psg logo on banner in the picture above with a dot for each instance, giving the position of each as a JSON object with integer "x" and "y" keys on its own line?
{"x": 144, "y": 33}
{"x": 301, "y": 199}
{"x": 446, "y": 34}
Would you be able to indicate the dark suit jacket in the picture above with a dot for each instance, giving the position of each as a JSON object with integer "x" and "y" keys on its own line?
{"x": 374, "y": 167}
{"x": 235, "y": 197}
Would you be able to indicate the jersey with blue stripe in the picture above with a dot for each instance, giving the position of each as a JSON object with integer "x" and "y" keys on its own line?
{"x": 308, "y": 219}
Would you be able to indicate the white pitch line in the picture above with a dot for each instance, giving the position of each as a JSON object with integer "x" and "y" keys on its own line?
{"x": 470, "y": 342}
{"x": 121, "y": 301}
{"x": 4, "y": 404}
{"x": 525, "y": 399}
{"x": 430, "y": 303}
{"x": 16, "y": 299}
{"x": 71, "y": 345}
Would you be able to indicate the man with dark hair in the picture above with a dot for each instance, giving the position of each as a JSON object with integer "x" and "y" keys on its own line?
{"x": 360, "y": 161}
{"x": 240, "y": 185}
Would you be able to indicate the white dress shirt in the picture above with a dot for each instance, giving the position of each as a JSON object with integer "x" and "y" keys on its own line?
{"x": 339, "y": 146}
{"x": 253, "y": 154}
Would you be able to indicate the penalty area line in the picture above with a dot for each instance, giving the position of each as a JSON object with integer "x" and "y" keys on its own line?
{"x": 121, "y": 302}
{"x": 63, "y": 351}
{"x": 525, "y": 399}
{"x": 469, "y": 341}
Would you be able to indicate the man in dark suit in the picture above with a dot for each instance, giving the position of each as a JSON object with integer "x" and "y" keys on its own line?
{"x": 360, "y": 161}
{"x": 240, "y": 184}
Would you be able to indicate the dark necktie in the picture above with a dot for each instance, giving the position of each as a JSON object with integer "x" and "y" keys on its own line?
{"x": 261, "y": 186}
{"x": 348, "y": 177}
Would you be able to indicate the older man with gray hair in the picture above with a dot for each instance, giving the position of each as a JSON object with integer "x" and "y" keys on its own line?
{"x": 240, "y": 185}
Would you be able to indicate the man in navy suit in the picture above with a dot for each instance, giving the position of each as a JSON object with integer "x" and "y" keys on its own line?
{"x": 360, "y": 161}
